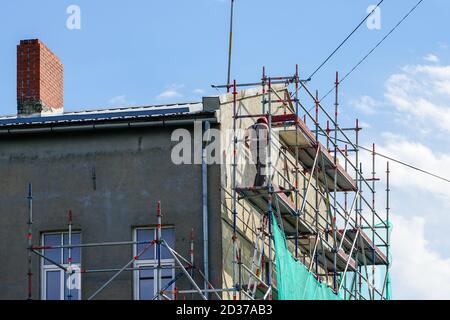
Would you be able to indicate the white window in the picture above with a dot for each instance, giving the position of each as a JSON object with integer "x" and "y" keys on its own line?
{"x": 56, "y": 284}
{"x": 145, "y": 287}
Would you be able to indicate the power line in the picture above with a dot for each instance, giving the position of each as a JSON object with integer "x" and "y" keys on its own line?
{"x": 397, "y": 161}
{"x": 345, "y": 40}
{"x": 374, "y": 48}
{"x": 405, "y": 164}
{"x": 353, "y": 69}
{"x": 357, "y": 65}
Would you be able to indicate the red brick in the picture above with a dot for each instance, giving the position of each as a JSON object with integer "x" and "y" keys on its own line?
{"x": 40, "y": 76}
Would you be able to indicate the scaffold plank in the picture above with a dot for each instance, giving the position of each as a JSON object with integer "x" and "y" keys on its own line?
{"x": 258, "y": 197}
{"x": 303, "y": 139}
{"x": 369, "y": 247}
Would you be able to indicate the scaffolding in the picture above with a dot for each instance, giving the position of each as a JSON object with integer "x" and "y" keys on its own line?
{"x": 338, "y": 234}
{"x": 320, "y": 199}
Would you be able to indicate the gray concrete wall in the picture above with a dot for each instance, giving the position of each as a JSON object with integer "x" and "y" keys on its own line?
{"x": 133, "y": 171}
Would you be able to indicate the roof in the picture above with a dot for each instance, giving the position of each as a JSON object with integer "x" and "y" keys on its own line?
{"x": 104, "y": 115}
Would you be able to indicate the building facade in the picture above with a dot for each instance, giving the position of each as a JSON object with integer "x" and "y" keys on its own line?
{"x": 160, "y": 202}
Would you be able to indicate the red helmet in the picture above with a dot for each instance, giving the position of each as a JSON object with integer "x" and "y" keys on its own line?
{"x": 262, "y": 120}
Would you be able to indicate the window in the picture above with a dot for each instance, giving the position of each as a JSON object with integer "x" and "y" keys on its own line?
{"x": 145, "y": 287}
{"x": 56, "y": 283}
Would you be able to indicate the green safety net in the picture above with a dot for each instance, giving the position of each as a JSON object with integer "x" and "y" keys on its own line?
{"x": 388, "y": 280}
{"x": 388, "y": 289}
{"x": 294, "y": 280}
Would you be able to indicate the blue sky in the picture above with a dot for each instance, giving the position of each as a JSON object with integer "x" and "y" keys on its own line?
{"x": 140, "y": 50}
{"x": 152, "y": 52}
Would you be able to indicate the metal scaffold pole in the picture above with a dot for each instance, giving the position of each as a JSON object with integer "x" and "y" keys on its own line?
{"x": 333, "y": 223}
{"x": 234, "y": 237}
{"x": 30, "y": 241}
{"x": 315, "y": 173}
{"x": 296, "y": 167}
{"x": 357, "y": 195}
{"x": 388, "y": 189}
{"x": 158, "y": 250}
{"x": 191, "y": 255}
{"x": 360, "y": 217}
{"x": 205, "y": 207}
{"x": 269, "y": 186}
{"x": 373, "y": 218}
{"x": 69, "y": 258}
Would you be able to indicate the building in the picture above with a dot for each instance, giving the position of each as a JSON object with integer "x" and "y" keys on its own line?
{"x": 88, "y": 183}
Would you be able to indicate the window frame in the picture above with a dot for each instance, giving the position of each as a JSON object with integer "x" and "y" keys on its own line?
{"x": 149, "y": 262}
{"x": 45, "y": 268}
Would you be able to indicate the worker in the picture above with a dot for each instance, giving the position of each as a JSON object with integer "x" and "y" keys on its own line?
{"x": 256, "y": 139}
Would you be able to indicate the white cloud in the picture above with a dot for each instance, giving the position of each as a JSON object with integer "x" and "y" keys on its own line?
{"x": 443, "y": 45}
{"x": 419, "y": 205}
{"x": 419, "y": 97}
{"x": 420, "y": 94}
{"x": 421, "y": 156}
{"x": 431, "y": 72}
{"x": 365, "y": 104}
{"x": 171, "y": 92}
{"x": 364, "y": 124}
{"x": 418, "y": 271}
{"x": 120, "y": 101}
{"x": 199, "y": 91}
{"x": 431, "y": 58}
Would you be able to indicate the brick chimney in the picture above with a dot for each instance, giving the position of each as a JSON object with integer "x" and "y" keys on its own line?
{"x": 40, "y": 80}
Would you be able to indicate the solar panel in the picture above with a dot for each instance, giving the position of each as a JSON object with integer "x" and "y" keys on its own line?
{"x": 95, "y": 116}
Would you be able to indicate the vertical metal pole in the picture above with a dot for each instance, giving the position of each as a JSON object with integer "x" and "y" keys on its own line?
{"x": 336, "y": 105}
{"x": 69, "y": 258}
{"x": 191, "y": 254}
{"x": 373, "y": 220}
{"x": 263, "y": 84}
{"x": 388, "y": 293}
{"x": 296, "y": 161}
{"x": 360, "y": 218}
{"x": 327, "y": 222}
{"x": 347, "y": 214}
{"x": 205, "y": 211}
{"x": 304, "y": 194}
{"x": 158, "y": 250}
{"x": 240, "y": 271}
{"x": 328, "y": 135}
{"x": 316, "y": 180}
{"x": 234, "y": 190}
{"x": 269, "y": 186}
{"x": 357, "y": 222}
{"x": 30, "y": 240}
{"x": 345, "y": 192}
{"x": 230, "y": 46}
